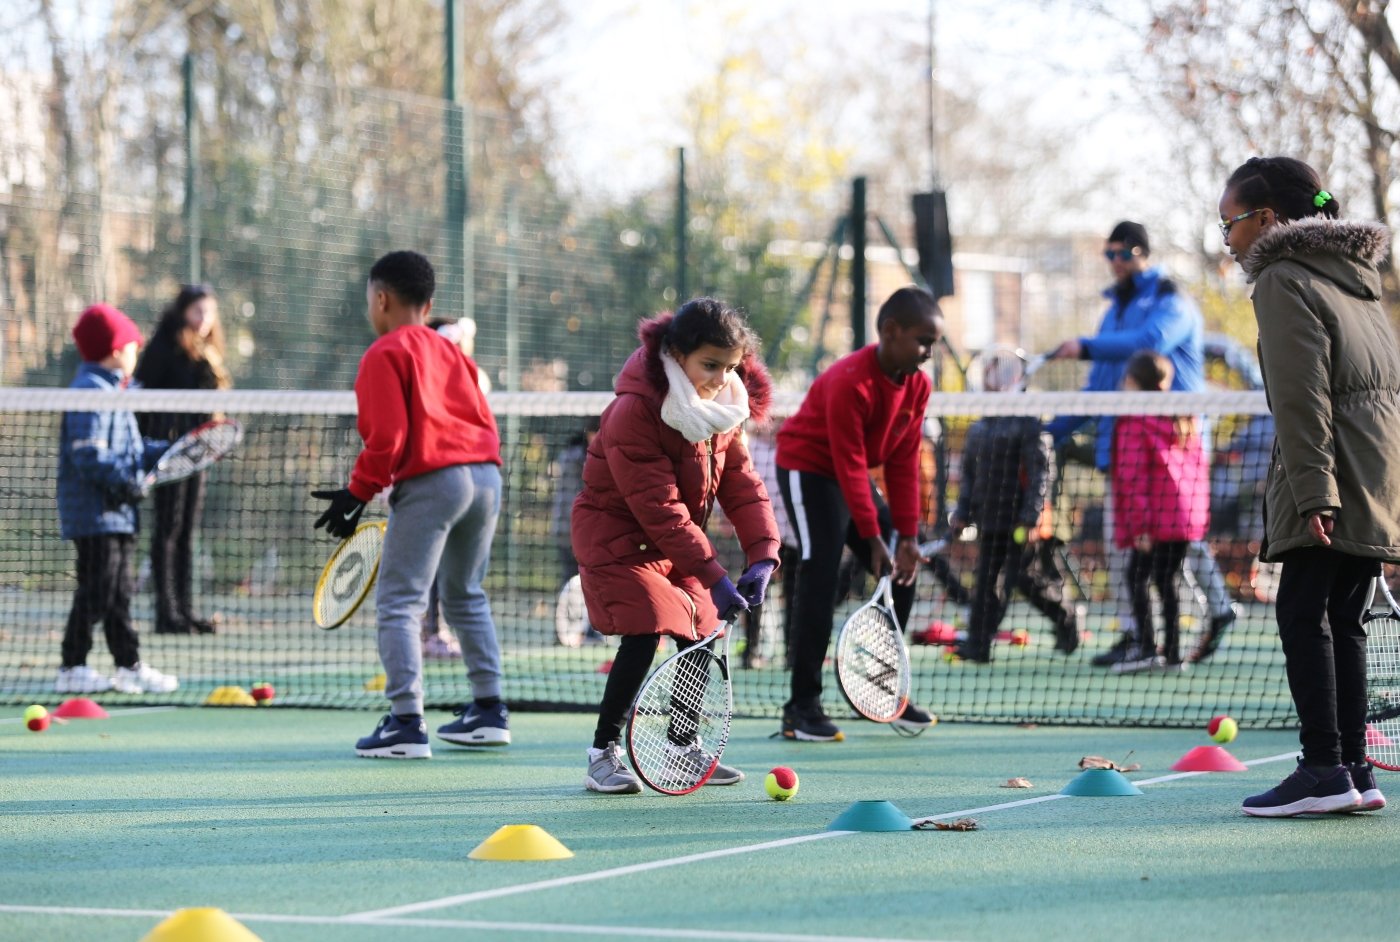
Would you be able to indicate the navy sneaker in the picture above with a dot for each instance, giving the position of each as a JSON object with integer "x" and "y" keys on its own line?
{"x": 913, "y": 720}
{"x": 1363, "y": 776}
{"x": 477, "y": 725}
{"x": 393, "y": 739}
{"x": 809, "y": 724}
{"x": 1304, "y": 793}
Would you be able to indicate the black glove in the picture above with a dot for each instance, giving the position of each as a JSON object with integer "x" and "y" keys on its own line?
{"x": 343, "y": 515}
{"x": 120, "y": 495}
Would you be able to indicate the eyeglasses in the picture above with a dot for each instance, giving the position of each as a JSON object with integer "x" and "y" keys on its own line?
{"x": 1229, "y": 224}
{"x": 1121, "y": 255}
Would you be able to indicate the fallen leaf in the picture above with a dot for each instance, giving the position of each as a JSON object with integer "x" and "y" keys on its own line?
{"x": 962, "y": 824}
{"x": 1099, "y": 762}
{"x": 1017, "y": 782}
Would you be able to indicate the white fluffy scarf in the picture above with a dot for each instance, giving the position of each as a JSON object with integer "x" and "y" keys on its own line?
{"x": 695, "y": 418}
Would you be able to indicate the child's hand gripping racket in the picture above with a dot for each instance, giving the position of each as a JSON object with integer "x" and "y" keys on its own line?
{"x": 194, "y": 451}
{"x": 872, "y": 662}
{"x": 1382, "y": 679}
{"x": 679, "y": 723}
{"x": 348, "y": 576}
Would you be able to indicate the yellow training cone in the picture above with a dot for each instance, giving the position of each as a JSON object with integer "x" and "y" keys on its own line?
{"x": 376, "y": 683}
{"x": 200, "y": 925}
{"x": 230, "y": 696}
{"x": 521, "y": 842}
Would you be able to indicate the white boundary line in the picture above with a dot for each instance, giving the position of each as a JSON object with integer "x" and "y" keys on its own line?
{"x": 111, "y": 714}
{"x": 378, "y": 914}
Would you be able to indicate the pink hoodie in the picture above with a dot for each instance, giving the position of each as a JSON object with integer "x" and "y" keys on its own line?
{"x": 1161, "y": 488}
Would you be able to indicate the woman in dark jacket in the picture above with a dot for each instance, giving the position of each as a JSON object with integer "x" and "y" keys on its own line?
{"x": 668, "y": 446}
{"x": 1332, "y": 501}
{"x": 185, "y": 352}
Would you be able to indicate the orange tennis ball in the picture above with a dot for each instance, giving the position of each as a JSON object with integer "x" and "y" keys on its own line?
{"x": 781, "y": 783}
{"x": 1222, "y": 728}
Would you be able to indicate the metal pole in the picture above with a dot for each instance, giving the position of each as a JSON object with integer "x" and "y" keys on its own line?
{"x": 932, "y": 100}
{"x": 682, "y": 220}
{"x": 858, "y": 263}
{"x": 455, "y": 142}
{"x": 193, "y": 269}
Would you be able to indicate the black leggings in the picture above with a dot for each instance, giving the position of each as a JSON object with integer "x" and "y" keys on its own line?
{"x": 1004, "y": 565}
{"x": 178, "y": 508}
{"x": 103, "y": 594}
{"x": 1321, "y": 600}
{"x": 1162, "y": 566}
{"x": 819, "y": 513}
{"x": 629, "y": 671}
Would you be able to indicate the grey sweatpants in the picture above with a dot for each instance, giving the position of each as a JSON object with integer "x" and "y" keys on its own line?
{"x": 440, "y": 526}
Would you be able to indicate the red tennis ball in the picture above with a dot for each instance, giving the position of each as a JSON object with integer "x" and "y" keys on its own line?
{"x": 263, "y": 692}
{"x": 781, "y": 783}
{"x": 39, "y": 723}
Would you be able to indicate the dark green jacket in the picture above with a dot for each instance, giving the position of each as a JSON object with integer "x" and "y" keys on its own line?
{"x": 1332, "y": 375}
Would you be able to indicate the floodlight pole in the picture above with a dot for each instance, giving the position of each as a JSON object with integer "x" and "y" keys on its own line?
{"x": 858, "y": 263}
{"x": 193, "y": 268}
{"x": 454, "y": 146}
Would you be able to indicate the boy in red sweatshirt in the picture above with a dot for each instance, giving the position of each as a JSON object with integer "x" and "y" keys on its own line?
{"x": 427, "y": 431}
{"x": 865, "y": 411}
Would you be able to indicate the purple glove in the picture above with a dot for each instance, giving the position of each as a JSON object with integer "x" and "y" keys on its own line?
{"x": 753, "y": 584}
{"x": 727, "y": 599}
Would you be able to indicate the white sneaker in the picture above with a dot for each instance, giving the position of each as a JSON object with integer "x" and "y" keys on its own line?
{"x": 81, "y": 679}
{"x": 143, "y": 679}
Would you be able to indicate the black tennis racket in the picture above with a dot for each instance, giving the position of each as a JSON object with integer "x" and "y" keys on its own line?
{"x": 679, "y": 723}
{"x": 194, "y": 451}
{"x": 872, "y": 662}
{"x": 1382, "y": 679}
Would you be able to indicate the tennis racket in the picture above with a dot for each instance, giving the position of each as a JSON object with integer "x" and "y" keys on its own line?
{"x": 1382, "y": 679}
{"x": 571, "y": 614}
{"x": 194, "y": 451}
{"x": 348, "y": 576}
{"x": 872, "y": 663}
{"x": 679, "y": 723}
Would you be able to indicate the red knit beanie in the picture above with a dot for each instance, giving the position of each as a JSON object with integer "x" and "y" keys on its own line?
{"x": 102, "y": 329}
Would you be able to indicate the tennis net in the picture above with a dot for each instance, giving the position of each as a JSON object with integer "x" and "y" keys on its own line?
{"x": 257, "y": 559}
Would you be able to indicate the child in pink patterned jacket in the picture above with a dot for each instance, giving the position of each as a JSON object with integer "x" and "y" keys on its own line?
{"x": 1162, "y": 491}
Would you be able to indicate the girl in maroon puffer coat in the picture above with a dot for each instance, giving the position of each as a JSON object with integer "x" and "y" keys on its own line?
{"x": 668, "y": 446}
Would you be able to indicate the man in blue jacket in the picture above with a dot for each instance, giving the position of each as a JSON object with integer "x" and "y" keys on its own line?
{"x": 1145, "y": 312}
{"x": 101, "y": 460}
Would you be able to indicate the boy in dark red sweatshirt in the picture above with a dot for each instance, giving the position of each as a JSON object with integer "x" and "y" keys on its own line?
{"x": 863, "y": 412}
{"x": 427, "y": 431}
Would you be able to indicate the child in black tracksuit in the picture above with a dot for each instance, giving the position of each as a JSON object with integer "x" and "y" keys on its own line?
{"x": 1005, "y": 479}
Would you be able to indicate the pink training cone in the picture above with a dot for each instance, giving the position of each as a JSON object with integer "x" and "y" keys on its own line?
{"x": 1375, "y": 737}
{"x": 80, "y": 708}
{"x": 1209, "y": 759}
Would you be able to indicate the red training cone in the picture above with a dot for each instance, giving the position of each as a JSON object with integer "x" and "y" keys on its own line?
{"x": 1209, "y": 759}
{"x": 1375, "y": 737}
{"x": 80, "y": 708}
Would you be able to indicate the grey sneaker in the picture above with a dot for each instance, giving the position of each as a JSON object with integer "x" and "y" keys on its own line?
{"x": 608, "y": 773}
{"x": 693, "y": 755}
{"x": 1138, "y": 661}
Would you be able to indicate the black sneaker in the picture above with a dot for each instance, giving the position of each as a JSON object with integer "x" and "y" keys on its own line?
{"x": 914, "y": 719}
{"x": 477, "y": 725}
{"x": 1363, "y": 776}
{"x": 393, "y": 739}
{"x": 1304, "y": 793}
{"x": 1067, "y": 637}
{"x": 809, "y": 724}
{"x": 1214, "y": 634}
{"x": 1122, "y": 648}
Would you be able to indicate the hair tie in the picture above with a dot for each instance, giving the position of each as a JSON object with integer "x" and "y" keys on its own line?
{"x": 1321, "y": 199}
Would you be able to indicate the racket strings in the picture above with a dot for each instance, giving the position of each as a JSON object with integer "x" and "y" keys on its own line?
{"x": 1383, "y": 691}
{"x": 198, "y": 451}
{"x": 872, "y": 663}
{"x": 348, "y": 575}
{"x": 681, "y": 723}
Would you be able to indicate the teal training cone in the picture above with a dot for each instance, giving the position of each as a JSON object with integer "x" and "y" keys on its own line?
{"x": 1100, "y": 783}
{"x": 871, "y": 816}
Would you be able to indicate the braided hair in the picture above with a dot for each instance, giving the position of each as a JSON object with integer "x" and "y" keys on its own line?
{"x": 1289, "y": 187}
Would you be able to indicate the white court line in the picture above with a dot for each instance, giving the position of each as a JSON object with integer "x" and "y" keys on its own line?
{"x": 378, "y": 914}
{"x": 110, "y": 714}
{"x": 535, "y": 928}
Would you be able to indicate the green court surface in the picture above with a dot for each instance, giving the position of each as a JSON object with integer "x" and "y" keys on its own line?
{"x": 109, "y": 825}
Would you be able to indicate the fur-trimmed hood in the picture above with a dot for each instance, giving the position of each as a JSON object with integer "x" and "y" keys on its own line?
{"x": 1346, "y": 253}
{"x": 643, "y": 373}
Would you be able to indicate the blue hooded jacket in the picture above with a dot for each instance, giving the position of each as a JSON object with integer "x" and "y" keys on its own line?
{"x": 101, "y": 457}
{"x": 1157, "y": 317}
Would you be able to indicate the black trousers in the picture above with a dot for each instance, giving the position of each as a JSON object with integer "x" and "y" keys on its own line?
{"x": 104, "y": 594}
{"x": 629, "y": 671}
{"x": 1321, "y": 600}
{"x": 819, "y": 514}
{"x": 177, "y": 511}
{"x": 1160, "y": 565}
{"x": 1004, "y": 565}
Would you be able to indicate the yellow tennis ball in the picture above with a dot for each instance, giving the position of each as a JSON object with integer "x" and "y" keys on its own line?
{"x": 1222, "y": 729}
{"x": 781, "y": 783}
{"x": 34, "y": 712}
{"x": 1019, "y": 534}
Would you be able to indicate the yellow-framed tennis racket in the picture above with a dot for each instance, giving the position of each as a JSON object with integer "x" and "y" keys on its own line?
{"x": 348, "y": 576}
